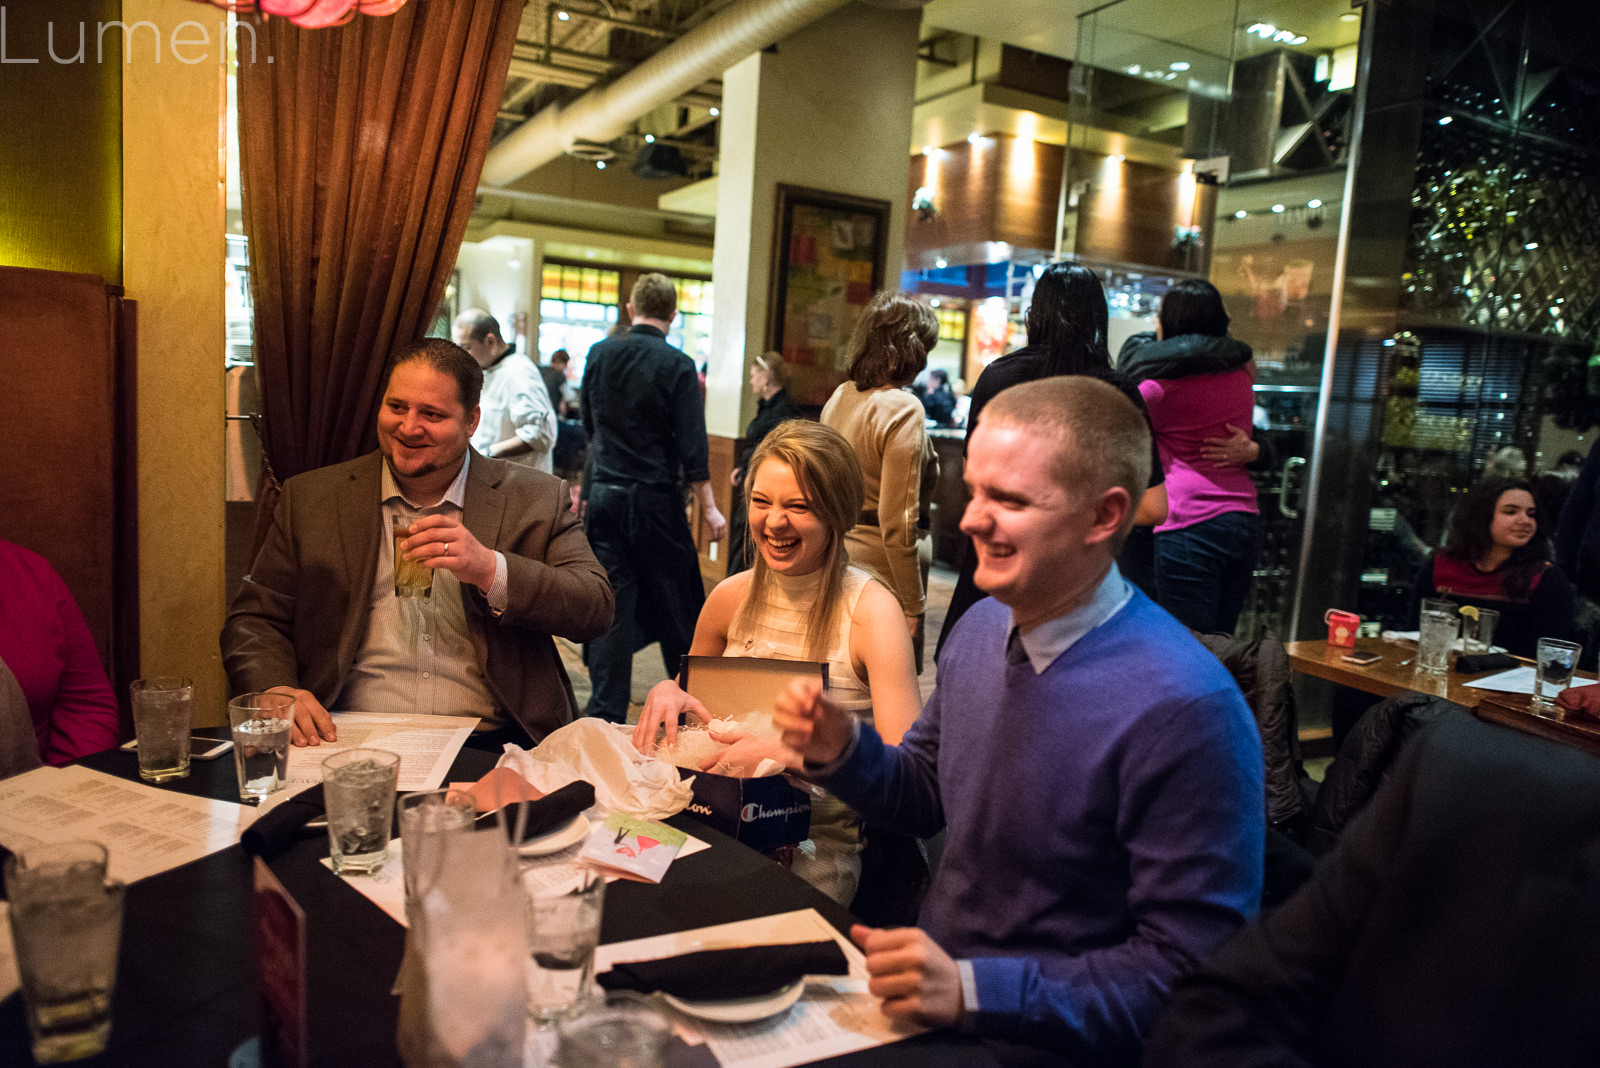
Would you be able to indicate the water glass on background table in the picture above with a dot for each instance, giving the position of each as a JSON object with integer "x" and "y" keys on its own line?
{"x": 1477, "y": 628}
{"x": 66, "y": 924}
{"x": 163, "y": 709}
{"x": 1440, "y": 626}
{"x": 1552, "y": 671}
{"x": 563, "y": 931}
{"x": 261, "y": 724}
{"x": 359, "y": 787}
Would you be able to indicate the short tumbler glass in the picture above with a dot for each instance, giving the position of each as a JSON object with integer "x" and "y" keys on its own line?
{"x": 359, "y": 787}
{"x": 261, "y": 723}
{"x": 163, "y": 709}
{"x": 66, "y": 925}
{"x": 1552, "y": 672}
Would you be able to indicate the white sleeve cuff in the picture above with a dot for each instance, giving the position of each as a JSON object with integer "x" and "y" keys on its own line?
{"x": 969, "y": 986}
{"x": 500, "y": 589}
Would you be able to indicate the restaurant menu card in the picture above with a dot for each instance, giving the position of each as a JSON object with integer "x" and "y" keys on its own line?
{"x": 427, "y": 746}
{"x": 640, "y": 848}
{"x": 281, "y": 963}
{"x": 835, "y": 1016}
{"x": 145, "y": 829}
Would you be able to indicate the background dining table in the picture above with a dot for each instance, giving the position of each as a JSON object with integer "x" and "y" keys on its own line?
{"x": 186, "y": 984}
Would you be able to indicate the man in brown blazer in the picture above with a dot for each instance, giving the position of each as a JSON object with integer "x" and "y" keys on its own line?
{"x": 318, "y": 617}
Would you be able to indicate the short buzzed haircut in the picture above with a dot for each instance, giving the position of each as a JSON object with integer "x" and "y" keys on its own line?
{"x": 480, "y": 324}
{"x": 447, "y": 358}
{"x": 654, "y": 297}
{"x": 1102, "y": 439}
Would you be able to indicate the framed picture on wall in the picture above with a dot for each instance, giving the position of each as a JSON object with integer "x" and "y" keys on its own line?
{"x": 828, "y": 261}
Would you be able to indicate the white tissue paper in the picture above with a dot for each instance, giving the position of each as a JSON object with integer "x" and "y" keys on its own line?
{"x": 624, "y": 779}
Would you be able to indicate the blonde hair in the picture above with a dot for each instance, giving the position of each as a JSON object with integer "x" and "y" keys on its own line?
{"x": 828, "y": 473}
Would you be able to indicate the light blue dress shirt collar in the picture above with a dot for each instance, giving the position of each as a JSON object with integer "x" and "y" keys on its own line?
{"x": 1050, "y": 639}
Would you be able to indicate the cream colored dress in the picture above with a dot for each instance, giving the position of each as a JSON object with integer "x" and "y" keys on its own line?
{"x": 887, "y": 430}
{"x": 831, "y": 859}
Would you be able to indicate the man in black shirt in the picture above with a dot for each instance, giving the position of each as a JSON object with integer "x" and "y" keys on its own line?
{"x": 645, "y": 419}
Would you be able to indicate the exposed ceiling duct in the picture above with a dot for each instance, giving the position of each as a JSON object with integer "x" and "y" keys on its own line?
{"x": 603, "y": 114}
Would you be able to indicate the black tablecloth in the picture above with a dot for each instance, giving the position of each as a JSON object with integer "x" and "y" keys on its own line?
{"x": 186, "y": 984}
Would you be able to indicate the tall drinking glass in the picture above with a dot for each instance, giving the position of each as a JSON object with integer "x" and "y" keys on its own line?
{"x": 261, "y": 724}
{"x": 563, "y": 931}
{"x": 427, "y": 819}
{"x": 163, "y": 708}
{"x": 359, "y": 787}
{"x": 66, "y": 924}
{"x": 412, "y": 578}
{"x": 1552, "y": 672}
{"x": 1441, "y": 625}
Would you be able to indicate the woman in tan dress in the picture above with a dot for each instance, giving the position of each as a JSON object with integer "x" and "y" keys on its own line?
{"x": 884, "y": 423}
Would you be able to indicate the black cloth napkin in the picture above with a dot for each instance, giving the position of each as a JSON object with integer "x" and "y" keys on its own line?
{"x": 277, "y": 830}
{"x": 550, "y": 813}
{"x": 1471, "y": 665}
{"x": 720, "y": 974}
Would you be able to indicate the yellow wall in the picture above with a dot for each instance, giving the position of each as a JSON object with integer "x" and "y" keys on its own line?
{"x": 173, "y": 251}
{"x": 60, "y": 139}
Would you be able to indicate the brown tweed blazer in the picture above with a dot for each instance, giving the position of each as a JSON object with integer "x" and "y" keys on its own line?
{"x": 301, "y": 614}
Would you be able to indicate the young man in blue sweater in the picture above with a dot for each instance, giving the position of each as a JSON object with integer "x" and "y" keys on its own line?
{"x": 1097, "y": 771}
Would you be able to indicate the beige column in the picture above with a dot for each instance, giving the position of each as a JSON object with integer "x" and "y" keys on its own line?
{"x": 830, "y": 109}
{"x": 173, "y": 116}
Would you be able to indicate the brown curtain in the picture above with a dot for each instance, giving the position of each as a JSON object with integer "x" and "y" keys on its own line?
{"x": 360, "y": 148}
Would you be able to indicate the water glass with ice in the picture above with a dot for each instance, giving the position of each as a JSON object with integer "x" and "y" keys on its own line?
{"x": 1440, "y": 626}
{"x": 359, "y": 787}
{"x": 1552, "y": 672}
{"x": 162, "y": 712}
{"x": 66, "y": 925}
{"x": 261, "y": 724}
{"x": 563, "y": 931}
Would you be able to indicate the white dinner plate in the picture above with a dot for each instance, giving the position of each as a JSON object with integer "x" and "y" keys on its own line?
{"x": 557, "y": 840}
{"x": 740, "y": 1010}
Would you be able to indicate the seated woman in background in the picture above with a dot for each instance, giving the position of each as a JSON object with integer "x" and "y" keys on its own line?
{"x": 47, "y": 646}
{"x": 803, "y": 601}
{"x": 1497, "y": 556}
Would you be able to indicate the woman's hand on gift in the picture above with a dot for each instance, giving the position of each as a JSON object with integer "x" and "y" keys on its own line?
{"x": 663, "y": 706}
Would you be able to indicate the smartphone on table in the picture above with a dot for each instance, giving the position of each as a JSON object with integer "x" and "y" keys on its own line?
{"x": 1362, "y": 659}
{"x": 201, "y": 746}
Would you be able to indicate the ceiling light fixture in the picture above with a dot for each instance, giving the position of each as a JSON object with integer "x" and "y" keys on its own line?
{"x": 715, "y": 112}
{"x": 1277, "y": 209}
{"x": 311, "y": 14}
{"x": 562, "y": 15}
{"x": 1240, "y": 214}
{"x": 1179, "y": 65}
{"x": 941, "y": 263}
{"x": 600, "y": 164}
{"x": 1268, "y": 32}
{"x": 1313, "y": 203}
{"x": 649, "y": 139}
{"x": 1446, "y": 121}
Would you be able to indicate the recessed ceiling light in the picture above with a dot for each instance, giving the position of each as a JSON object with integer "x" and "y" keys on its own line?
{"x": 1446, "y": 121}
{"x": 649, "y": 139}
{"x": 1179, "y": 65}
{"x": 1116, "y": 158}
{"x": 600, "y": 164}
{"x": 934, "y": 302}
{"x": 563, "y": 16}
{"x": 1241, "y": 213}
{"x": 715, "y": 112}
{"x": 973, "y": 138}
{"x": 1277, "y": 209}
{"x": 1313, "y": 203}
{"x": 941, "y": 263}
{"x": 1349, "y": 16}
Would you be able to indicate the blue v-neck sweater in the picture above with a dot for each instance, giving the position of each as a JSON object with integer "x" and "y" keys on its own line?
{"x": 1105, "y": 822}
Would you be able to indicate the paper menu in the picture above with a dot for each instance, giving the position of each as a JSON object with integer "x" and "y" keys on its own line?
{"x": 1516, "y": 680}
{"x": 145, "y": 829}
{"x": 427, "y": 746}
{"x": 836, "y": 1015}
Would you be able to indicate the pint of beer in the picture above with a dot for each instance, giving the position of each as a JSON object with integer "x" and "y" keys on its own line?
{"x": 412, "y": 578}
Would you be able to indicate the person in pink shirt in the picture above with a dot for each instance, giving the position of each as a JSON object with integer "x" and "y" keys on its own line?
{"x": 1198, "y": 384}
{"x": 47, "y": 646}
